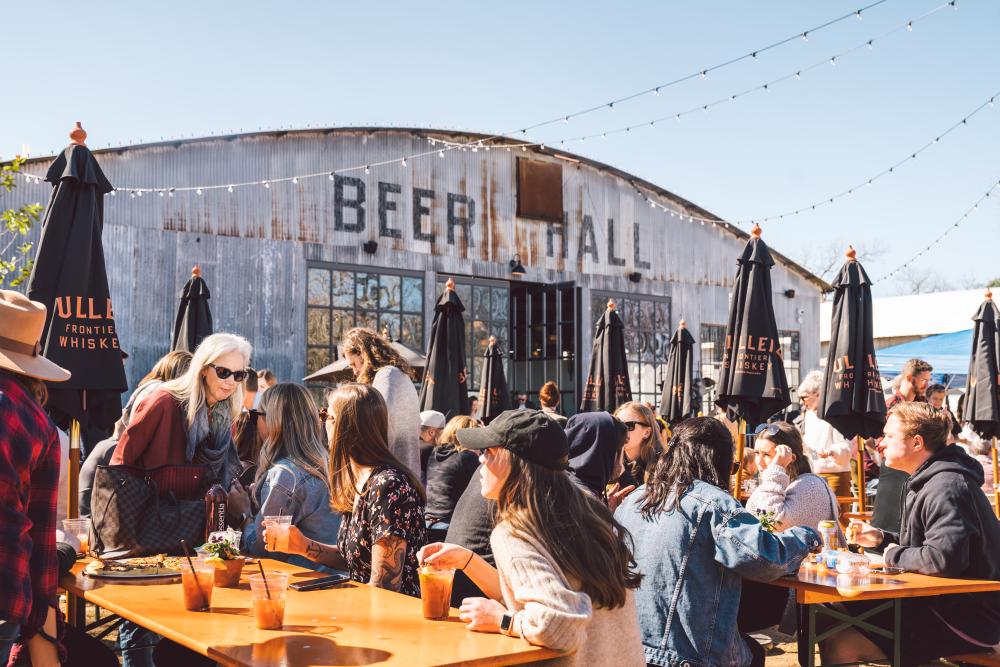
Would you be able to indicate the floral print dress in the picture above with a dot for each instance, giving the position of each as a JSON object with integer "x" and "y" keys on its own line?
{"x": 388, "y": 505}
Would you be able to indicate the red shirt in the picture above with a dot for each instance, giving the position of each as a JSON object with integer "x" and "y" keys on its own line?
{"x": 155, "y": 436}
{"x": 29, "y": 487}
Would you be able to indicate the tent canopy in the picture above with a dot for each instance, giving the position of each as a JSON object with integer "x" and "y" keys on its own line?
{"x": 948, "y": 353}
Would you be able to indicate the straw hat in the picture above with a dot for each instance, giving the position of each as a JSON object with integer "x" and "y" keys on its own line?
{"x": 21, "y": 325}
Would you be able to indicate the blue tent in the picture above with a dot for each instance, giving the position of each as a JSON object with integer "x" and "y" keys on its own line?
{"x": 947, "y": 353}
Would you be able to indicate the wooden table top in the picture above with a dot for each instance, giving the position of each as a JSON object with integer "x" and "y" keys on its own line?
{"x": 814, "y": 586}
{"x": 353, "y": 624}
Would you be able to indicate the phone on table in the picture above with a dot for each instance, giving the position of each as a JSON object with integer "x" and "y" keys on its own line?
{"x": 320, "y": 584}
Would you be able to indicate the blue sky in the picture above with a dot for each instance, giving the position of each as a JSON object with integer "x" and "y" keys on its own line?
{"x": 139, "y": 71}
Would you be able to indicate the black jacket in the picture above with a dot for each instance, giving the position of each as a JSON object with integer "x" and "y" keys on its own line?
{"x": 448, "y": 473}
{"x": 594, "y": 441}
{"x": 948, "y": 529}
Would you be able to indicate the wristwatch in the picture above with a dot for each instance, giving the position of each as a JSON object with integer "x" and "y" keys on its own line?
{"x": 507, "y": 623}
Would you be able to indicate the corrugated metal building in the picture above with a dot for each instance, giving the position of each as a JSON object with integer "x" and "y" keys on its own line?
{"x": 292, "y": 265}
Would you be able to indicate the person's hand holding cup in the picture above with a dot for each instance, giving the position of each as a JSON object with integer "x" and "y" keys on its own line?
{"x": 276, "y": 534}
{"x": 444, "y": 556}
{"x": 863, "y": 534}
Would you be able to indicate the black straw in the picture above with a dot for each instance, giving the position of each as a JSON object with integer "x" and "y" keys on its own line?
{"x": 194, "y": 574}
{"x": 263, "y": 576}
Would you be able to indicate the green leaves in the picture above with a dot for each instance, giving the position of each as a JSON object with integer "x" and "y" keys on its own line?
{"x": 15, "y": 223}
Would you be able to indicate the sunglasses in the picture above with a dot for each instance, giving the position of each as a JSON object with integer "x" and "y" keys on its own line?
{"x": 224, "y": 373}
{"x": 630, "y": 425}
{"x": 257, "y": 413}
{"x": 771, "y": 429}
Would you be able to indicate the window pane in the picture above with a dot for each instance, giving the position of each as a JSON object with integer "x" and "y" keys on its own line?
{"x": 392, "y": 321}
{"x": 413, "y": 295}
{"x": 368, "y": 319}
{"x": 343, "y": 289}
{"x": 598, "y": 304}
{"x": 568, "y": 304}
{"x": 500, "y": 304}
{"x": 568, "y": 342}
{"x": 537, "y": 345}
{"x": 551, "y": 341}
{"x": 480, "y": 336}
{"x": 648, "y": 379}
{"x": 480, "y": 302}
{"x": 342, "y": 320}
{"x": 366, "y": 290}
{"x": 464, "y": 292}
{"x": 647, "y": 319}
{"x": 390, "y": 297}
{"x": 318, "y": 327}
{"x": 631, "y": 343}
{"x": 316, "y": 358}
{"x": 633, "y": 376}
{"x": 413, "y": 331}
{"x": 662, "y": 315}
{"x": 319, "y": 287}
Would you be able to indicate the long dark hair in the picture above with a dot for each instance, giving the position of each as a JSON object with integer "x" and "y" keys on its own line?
{"x": 576, "y": 528}
{"x": 700, "y": 449}
{"x": 375, "y": 351}
{"x": 293, "y": 431}
{"x": 360, "y": 434}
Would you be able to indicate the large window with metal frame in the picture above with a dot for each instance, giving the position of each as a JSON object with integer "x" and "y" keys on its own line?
{"x": 712, "y": 346}
{"x": 789, "y": 341}
{"x": 341, "y": 297}
{"x": 647, "y": 339}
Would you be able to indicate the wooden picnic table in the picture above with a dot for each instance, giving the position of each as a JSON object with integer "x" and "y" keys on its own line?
{"x": 815, "y": 587}
{"x": 352, "y": 624}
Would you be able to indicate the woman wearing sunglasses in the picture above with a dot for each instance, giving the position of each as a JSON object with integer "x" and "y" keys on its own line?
{"x": 189, "y": 419}
{"x": 643, "y": 445}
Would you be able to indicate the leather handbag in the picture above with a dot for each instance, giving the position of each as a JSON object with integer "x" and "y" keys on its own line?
{"x": 136, "y": 512}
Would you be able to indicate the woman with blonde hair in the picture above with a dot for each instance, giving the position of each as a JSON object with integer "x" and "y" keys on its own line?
{"x": 291, "y": 472}
{"x": 449, "y": 470}
{"x": 564, "y": 567}
{"x": 377, "y": 364}
{"x": 382, "y": 502}
{"x": 643, "y": 445}
{"x": 189, "y": 419}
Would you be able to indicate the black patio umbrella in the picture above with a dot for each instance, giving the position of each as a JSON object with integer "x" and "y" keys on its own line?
{"x": 607, "y": 382}
{"x": 677, "y": 403}
{"x": 981, "y": 408}
{"x": 493, "y": 395}
{"x": 70, "y": 278}
{"x": 194, "y": 318}
{"x": 852, "y": 400}
{"x": 444, "y": 388}
{"x": 752, "y": 381}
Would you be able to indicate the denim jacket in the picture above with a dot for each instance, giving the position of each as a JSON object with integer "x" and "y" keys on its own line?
{"x": 289, "y": 490}
{"x": 692, "y": 560}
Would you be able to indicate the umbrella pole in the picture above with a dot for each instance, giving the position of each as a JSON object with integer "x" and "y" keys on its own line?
{"x": 740, "y": 444}
{"x": 996, "y": 480}
{"x": 861, "y": 474}
{"x": 73, "y": 471}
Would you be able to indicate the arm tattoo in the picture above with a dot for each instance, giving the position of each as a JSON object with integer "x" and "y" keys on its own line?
{"x": 325, "y": 554}
{"x": 312, "y": 550}
{"x": 388, "y": 560}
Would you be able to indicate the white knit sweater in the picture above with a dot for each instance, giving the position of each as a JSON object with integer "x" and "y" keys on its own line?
{"x": 404, "y": 415}
{"x": 554, "y": 613}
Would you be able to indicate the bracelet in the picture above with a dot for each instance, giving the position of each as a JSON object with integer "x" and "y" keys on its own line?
{"x": 472, "y": 554}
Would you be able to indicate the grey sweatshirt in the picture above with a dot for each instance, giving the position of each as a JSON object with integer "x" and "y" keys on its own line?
{"x": 404, "y": 415}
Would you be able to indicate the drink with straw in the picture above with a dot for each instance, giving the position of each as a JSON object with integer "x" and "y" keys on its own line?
{"x": 277, "y": 532}
{"x": 80, "y": 530}
{"x": 435, "y": 591}
{"x": 197, "y": 581}
{"x": 268, "y": 596}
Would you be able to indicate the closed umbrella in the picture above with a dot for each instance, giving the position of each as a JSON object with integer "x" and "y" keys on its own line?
{"x": 677, "y": 403}
{"x": 851, "y": 399}
{"x": 607, "y": 382}
{"x": 752, "y": 381}
{"x": 982, "y": 407}
{"x": 444, "y": 388}
{"x": 493, "y": 395}
{"x": 69, "y": 276}
{"x": 194, "y": 318}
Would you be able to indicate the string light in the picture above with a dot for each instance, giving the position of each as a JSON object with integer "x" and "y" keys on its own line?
{"x": 952, "y": 227}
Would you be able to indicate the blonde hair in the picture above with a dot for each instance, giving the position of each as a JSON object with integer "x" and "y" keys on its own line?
{"x": 650, "y": 444}
{"x": 451, "y": 428}
{"x": 922, "y": 419}
{"x": 189, "y": 388}
{"x": 293, "y": 431}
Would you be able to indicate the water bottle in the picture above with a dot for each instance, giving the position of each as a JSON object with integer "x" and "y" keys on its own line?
{"x": 828, "y": 532}
{"x": 215, "y": 509}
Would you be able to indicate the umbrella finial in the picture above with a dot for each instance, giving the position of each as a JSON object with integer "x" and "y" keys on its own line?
{"x": 450, "y": 284}
{"x": 684, "y": 324}
{"x": 78, "y": 135}
{"x": 989, "y": 294}
{"x": 851, "y": 254}
{"x": 611, "y": 304}
{"x": 196, "y": 271}
{"x": 755, "y": 231}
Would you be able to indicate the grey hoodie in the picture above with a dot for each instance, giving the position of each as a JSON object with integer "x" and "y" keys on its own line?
{"x": 948, "y": 529}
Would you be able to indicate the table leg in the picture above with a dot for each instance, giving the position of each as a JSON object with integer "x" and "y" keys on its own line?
{"x": 897, "y": 608}
{"x": 811, "y": 639}
{"x": 76, "y": 610}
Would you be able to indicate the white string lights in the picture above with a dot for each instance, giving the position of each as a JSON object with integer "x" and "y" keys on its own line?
{"x": 948, "y": 230}
{"x": 988, "y": 104}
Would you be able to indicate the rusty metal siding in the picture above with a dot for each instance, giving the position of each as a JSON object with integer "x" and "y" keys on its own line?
{"x": 253, "y": 244}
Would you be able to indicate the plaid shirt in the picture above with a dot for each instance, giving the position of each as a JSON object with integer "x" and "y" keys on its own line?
{"x": 29, "y": 481}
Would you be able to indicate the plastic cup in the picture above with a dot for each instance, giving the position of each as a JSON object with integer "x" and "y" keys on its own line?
{"x": 277, "y": 532}
{"x": 269, "y": 601}
{"x": 435, "y": 592}
{"x": 79, "y": 529}
{"x": 197, "y": 585}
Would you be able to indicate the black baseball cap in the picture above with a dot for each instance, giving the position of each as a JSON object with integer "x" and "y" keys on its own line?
{"x": 530, "y": 434}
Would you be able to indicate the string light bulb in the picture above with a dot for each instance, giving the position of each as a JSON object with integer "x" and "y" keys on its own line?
{"x": 402, "y": 162}
{"x": 230, "y": 189}
{"x": 198, "y": 191}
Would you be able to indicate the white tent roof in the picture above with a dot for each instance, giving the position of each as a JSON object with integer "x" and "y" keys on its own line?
{"x": 914, "y": 314}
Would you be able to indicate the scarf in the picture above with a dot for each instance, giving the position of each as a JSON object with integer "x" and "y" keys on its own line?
{"x": 210, "y": 442}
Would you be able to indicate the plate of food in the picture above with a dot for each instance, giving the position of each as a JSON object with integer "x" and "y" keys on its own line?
{"x": 159, "y": 566}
